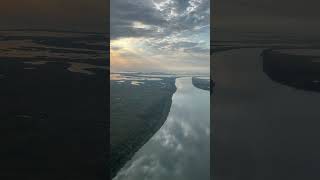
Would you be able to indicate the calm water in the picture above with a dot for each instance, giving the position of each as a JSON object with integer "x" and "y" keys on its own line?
{"x": 180, "y": 150}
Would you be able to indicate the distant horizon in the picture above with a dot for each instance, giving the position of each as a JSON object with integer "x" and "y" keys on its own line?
{"x": 64, "y": 30}
{"x": 163, "y": 72}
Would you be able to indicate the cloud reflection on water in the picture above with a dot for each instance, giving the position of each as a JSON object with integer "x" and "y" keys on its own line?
{"x": 181, "y": 148}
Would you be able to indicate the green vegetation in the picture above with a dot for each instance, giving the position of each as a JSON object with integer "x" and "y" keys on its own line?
{"x": 137, "y": 112}
{"x": 201, "y": 83}
{"x": 297, "y": 71}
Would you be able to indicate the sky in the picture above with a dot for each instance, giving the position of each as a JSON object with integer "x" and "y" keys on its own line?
{"x": 78, "y": 15}
{"x": 277, "y": 16}
{"x": 170, "y": 36}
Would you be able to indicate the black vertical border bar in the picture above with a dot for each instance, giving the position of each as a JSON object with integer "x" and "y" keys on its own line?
{"x": 212, "y": 83}
{"x": 108, "y": 93}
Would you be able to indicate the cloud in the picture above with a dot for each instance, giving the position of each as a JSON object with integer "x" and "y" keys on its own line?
{"x": 80, "y": 15}
{"x": 276, "y": 16}
{"x": 164, "y": 17}
{"x": 167, "y": 32}
{"x": 125, "y": 13}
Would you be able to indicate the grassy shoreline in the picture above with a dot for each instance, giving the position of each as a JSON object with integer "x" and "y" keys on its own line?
{"x": 203, "y": 84}
{"x": 156, "y": 114}
{"x": 297, "y": 71}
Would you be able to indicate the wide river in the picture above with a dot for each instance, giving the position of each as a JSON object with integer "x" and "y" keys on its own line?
{"x": 262, "y": 129}
{"x": 180, "y": 150}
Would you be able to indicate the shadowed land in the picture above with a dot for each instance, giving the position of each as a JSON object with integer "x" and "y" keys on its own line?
{"x": 298, "y": 71}
{"x": 53, "y": 120}
{"x": 203, "y": 84}
{"x": 138, "y": 110}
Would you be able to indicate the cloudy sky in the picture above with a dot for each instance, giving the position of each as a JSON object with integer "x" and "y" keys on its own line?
{"x": 79, "y": 15}
{"x": 268, "y": 15}
{"x": 160, "y": 35}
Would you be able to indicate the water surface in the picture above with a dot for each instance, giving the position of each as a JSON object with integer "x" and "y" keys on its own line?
{"x": 180, "y": 150}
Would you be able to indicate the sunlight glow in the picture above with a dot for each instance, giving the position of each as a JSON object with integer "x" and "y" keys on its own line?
{"x": 140, "y": 25}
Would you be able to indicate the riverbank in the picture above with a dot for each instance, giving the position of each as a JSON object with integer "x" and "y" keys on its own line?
{"x": 257, "y": 121}
{"x": 137, "y": 112}
{"x": 201, "y": 83}
{"x": 300, "y": 70}
{"x": 180, "y": 149}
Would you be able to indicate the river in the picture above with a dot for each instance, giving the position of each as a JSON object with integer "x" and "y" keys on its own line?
{"x": 180, "y": 150}
{"x": 262, "y": 129}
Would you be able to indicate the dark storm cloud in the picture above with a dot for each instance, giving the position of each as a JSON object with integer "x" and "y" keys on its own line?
{"x": 162, "y": 17}
{"x": 80, "y": 15}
